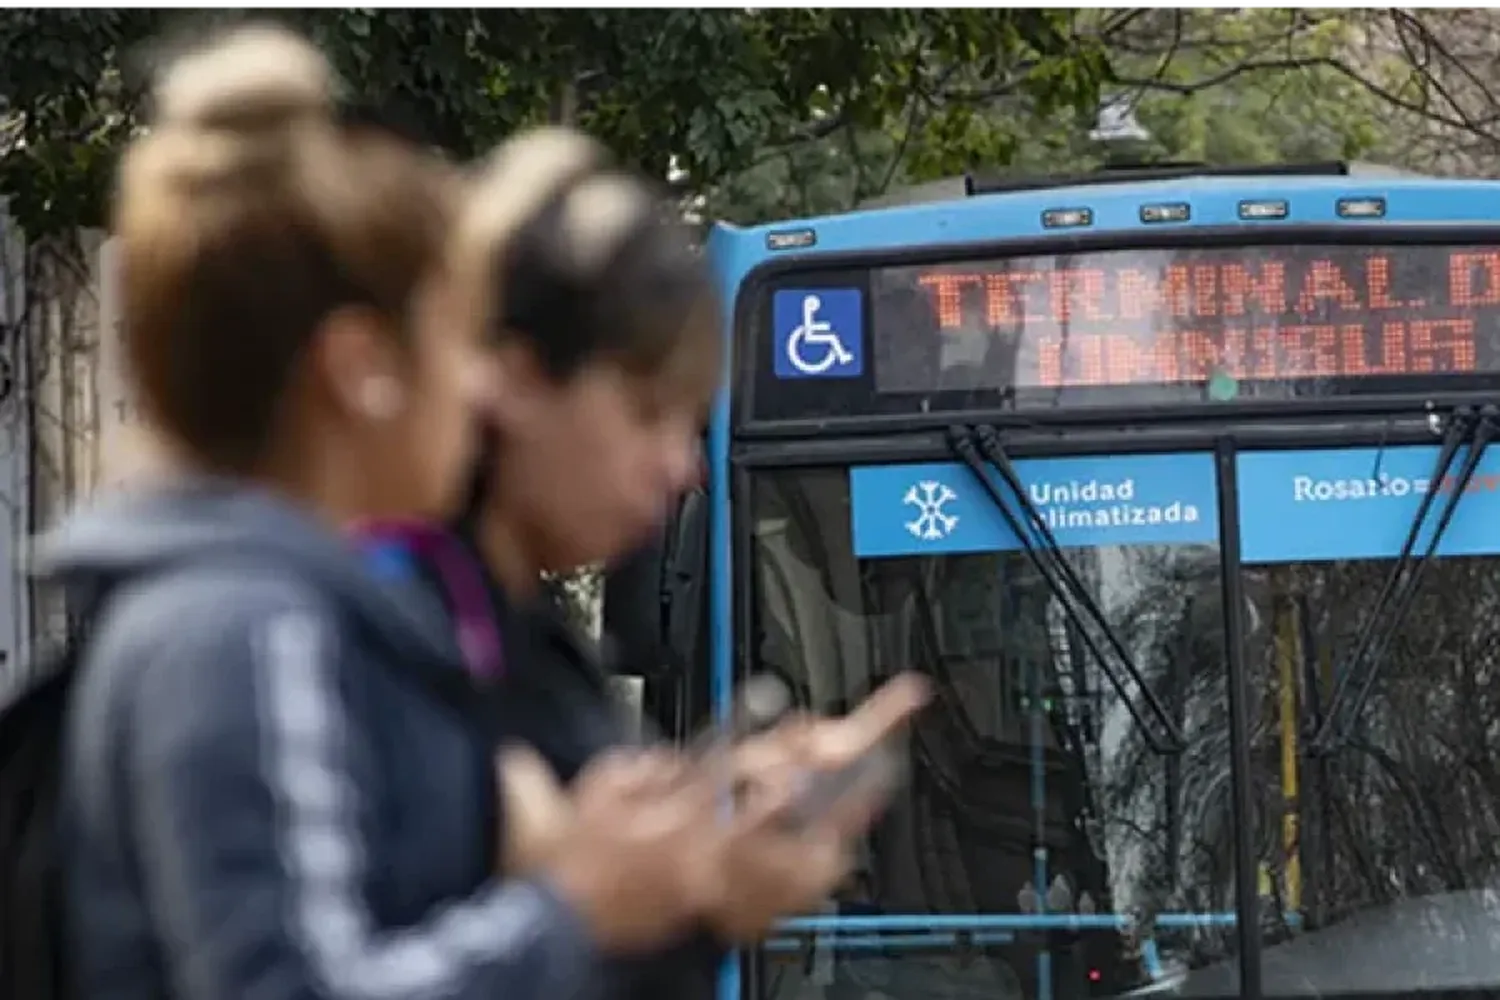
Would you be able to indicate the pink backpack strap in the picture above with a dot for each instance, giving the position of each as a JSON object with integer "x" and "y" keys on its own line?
{"x": 397, "y": 546}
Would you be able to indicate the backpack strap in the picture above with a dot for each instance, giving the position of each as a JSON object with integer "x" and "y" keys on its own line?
{"x": 396, "y": 547}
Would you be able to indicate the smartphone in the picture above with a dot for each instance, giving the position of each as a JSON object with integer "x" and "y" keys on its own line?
{"x": 878, "y": 773}
{"x": 764, "y": 700}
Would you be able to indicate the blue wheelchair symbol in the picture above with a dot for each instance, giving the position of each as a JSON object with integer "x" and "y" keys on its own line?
{"x": 819, "y": 333}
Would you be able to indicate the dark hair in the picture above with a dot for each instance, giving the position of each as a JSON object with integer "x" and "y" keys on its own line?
{"x": 250, "y": 213}
{"x": 582, "y": 261}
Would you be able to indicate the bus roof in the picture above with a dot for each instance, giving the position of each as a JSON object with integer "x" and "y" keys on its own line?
{"x": 1113, "y": 207}
{"x": 969, "y": 185}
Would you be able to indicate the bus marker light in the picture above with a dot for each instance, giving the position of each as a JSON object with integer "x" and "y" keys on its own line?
{"x": 1172, "y": 211}
{"x": 1067, "y": 218}
{"x": 1360, "y": 208}
{"x": 1260, "y": 211}
{"x": 791, "y": 239}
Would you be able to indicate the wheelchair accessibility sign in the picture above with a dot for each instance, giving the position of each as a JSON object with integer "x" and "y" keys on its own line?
{"x": 819, "y": 333}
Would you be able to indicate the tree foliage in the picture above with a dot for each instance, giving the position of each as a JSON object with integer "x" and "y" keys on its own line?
{"x": 765, "y": 113}
{"x": 701, "y": 92}
{"x": 1415, "y": 90}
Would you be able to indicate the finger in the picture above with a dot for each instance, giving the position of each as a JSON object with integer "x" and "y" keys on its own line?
{"x": 688, "y": 817}
{"x": 846, "y": 801}
{"x": 775, "y": 788}
{"x": 890, "y": 706}
{"x": 534, "y": 808}
{"x": 879, "y": 716}
{"x": 774, "y": 772}
{"x": 632, "y": 773}
{"x": 769, "y": 801}
{"x": 679, "y": 791}
{"x": 788, "y": 745}
{"x": 660, "y": 772}
{"x": 734, "y": 763}
{"x": 794, "y": 721}
{"x": 802, "y": 873}
{"x": 826, "y": 864}
{"x": 525, "y": 781}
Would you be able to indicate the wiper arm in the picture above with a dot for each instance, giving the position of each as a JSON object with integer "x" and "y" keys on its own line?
{"x": 993, "y": 449}
{"x": 980, "y": 449}
{"x": 1355, "y": 682}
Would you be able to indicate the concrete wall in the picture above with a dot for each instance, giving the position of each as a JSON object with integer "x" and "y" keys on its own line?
{"x": 66, "y": 428}
{"x": 123, "y": 448}
{"x": 15, "y": 453}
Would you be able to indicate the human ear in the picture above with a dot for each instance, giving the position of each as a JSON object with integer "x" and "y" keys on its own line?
{"x": 356, "y": 362}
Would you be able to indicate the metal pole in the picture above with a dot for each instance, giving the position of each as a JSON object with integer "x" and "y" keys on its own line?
{"x": 1247, "y": 891}
{"x": 1039, "y": 820}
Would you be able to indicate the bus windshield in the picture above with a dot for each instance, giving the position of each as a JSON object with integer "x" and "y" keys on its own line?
{"x": 1038, "y": 807}
{"x": 1046, "y": 838}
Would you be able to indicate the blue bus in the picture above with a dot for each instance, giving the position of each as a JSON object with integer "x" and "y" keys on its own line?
{"x": 1175, "y": 482}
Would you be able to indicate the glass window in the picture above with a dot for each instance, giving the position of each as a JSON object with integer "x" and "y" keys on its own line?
{"x": 1043, "y": 848}
{"x": 1386, "y": 846}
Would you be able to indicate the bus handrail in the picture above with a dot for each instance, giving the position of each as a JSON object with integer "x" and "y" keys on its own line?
{"x": 953, "y": 922}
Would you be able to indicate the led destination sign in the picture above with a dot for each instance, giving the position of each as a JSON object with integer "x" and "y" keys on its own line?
{"x": 1174, "y": 316}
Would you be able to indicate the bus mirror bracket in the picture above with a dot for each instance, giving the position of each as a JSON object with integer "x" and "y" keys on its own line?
{"x": 652, "y": 598}
{"x": 684, "y": 582}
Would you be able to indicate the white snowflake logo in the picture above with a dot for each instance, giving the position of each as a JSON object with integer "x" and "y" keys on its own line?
{"x": 932, "y": 522}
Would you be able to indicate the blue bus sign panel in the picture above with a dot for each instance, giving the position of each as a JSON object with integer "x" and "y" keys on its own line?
{"x": 1095, "y": 502}
{"x": 1359, "y": 503}
{"x": 819, "y": 333}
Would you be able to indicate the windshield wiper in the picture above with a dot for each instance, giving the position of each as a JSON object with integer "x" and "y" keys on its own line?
{"x": 1355, "y": 682}
{"x": 980, "y": 449}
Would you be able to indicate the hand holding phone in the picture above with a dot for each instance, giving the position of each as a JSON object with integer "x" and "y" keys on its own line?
{"x": 849, "y": 795}
{"x": 624, "y": 845}
{"x": 816, "y": 765}
{"x": 761, "y": 702}
{"x": 813, "y": 787}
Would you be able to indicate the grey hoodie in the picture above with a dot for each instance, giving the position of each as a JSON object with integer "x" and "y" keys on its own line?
{"x": 260, "y": 800}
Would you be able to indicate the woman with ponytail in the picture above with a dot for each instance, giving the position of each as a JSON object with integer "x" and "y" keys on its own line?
{"x": 263, "y": 794}
{"x": 601, "y": 334}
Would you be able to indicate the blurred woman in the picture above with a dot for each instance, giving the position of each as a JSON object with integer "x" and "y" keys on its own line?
{"x": 602, "y": 341}
{"x": 262, "y": 796}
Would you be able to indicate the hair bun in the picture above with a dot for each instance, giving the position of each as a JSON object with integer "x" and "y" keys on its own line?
{"x": 596, "y": 217}
{"x": 253, "y": 79}
{"x": 525, "y": 174}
